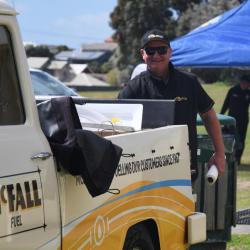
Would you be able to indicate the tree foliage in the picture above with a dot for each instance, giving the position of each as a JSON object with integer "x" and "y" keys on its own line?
{"x": 106, "y": 67}
{"x": 133, "y": 18}
{"x": 182, "y": 5}
{"x": 60, "y": 48}
{"x": 112, "y": 77}
{"x": 95, "y": 66}
{"x": 38, "y": 51}
{"x": 44, "y": 50}
{"x": 124, "y": 76}
{"x": 198, "y": 14}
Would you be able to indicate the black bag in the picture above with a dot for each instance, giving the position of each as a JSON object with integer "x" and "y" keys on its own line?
{"x": 81, "y": 152}
{"x": 101, "y": 158}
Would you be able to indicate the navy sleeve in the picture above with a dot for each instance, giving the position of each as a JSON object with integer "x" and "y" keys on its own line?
{"x": 204, "y": 102}
{"x": 126, "y": 93}
{"x": 226, "y": 104}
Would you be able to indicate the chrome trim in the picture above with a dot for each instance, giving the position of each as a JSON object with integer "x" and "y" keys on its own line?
{"x": 43, "y": 156}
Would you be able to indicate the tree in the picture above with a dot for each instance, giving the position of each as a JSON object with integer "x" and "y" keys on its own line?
{"x": 106, "y": 67}
{"x": 62, "y": 48}
{"x": 131, "y": 19}
{"x": 124, "y": 76}
{"x": 38, "y": 51}
{"x": 198, "y": 14}
{"x": 95, "y": 66}
{"x": 112, "y": 77}
{"x": 182, "y": 5}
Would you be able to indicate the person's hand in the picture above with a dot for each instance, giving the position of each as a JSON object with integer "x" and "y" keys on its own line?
{"x": 219, "y": 161}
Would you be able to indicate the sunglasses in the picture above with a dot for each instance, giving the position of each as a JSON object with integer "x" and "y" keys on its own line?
{"x": 161, "y": 50}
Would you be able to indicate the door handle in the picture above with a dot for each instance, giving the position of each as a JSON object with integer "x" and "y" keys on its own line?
{"x": 44, "y": 156}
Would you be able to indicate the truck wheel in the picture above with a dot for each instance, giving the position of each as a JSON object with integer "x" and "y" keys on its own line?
{"x": 138, "y": 238}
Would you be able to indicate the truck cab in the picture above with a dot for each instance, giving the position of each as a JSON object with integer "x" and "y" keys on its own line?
{"x": 25, "y": 212}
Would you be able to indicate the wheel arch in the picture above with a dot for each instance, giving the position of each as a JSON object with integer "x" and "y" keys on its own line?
{"x": 152, "y": 228}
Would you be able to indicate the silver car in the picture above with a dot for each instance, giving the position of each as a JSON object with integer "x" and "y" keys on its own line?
{"x": 46, "y": 87}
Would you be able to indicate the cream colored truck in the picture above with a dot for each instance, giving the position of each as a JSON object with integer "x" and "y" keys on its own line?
{"x": 41, "y": 208}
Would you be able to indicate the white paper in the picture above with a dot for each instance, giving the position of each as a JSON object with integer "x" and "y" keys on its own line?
{"x": 212, "y": 175}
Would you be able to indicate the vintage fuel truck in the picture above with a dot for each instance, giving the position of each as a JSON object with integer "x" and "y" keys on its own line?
{"x": 42, "y": 208}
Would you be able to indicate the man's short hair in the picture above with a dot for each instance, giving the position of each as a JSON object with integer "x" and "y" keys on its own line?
{"x": 245, "y": 78}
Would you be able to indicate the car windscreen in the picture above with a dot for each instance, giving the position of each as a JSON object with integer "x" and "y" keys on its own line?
{"x": 44, "y": 84}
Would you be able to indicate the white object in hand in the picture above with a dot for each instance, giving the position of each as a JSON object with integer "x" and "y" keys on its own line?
{"x": 212, "y": 175}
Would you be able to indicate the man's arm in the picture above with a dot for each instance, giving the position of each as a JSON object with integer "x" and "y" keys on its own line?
{"x": 212, "y": 126}
{"x": 226, "y": 104}
{"x": 126, "y": 93}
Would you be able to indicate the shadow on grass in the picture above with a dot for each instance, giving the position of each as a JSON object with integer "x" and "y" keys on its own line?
{"x": 244, "y": 167}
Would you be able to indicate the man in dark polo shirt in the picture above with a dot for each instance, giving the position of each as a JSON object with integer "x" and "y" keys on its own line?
{"x": 237, "y": 101}
{"x": 162, "y": 81}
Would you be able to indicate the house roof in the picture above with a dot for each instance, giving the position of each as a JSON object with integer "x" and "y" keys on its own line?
{"x": 63, "y": 55}
{"x": 110, "y": 40}
{"x": 86, "y": 80}
{"x": 37, "y": 62}
{"x": 57, "y": 65}
{"x": 99, "y": 46}
{"x": 79, "y": 55}
{"x": 79, "y": 68}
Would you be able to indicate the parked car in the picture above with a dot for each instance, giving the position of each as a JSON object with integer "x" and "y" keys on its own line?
{"x": 46, "y": 87}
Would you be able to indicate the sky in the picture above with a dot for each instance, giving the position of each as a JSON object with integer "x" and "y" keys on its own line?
{"x": 61, "y": 22}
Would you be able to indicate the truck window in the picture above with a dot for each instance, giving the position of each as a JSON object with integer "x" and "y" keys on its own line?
{"x": 11, "y": 108}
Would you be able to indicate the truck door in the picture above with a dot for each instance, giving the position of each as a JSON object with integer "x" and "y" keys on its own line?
{"x": 29, "y": 207}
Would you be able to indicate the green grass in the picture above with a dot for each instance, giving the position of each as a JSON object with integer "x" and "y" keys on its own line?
{"x": 218, "y": 94}
{"x": 243, "y": 175}
{"x": 100, "y": 95}
{"x": 239, "y": 242}
{"x": 243, "y": 189}
{"x": 243, "y": 199}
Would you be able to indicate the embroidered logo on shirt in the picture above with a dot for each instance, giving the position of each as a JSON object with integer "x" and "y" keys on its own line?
{"x": 235, "y": 95}
{"x": 247, "y": 97}
{"x": 178, "y": 99}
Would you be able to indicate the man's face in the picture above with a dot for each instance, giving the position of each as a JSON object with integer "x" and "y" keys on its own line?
{"x": 156, "y": 63}
{"x": 245, "y": 85}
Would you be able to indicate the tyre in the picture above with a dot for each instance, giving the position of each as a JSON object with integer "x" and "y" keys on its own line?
{"x": 138, "y": 238}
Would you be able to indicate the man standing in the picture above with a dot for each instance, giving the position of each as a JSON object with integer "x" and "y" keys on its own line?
{"x": 162, "y": 81}
{"x": 237, "y": 101}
